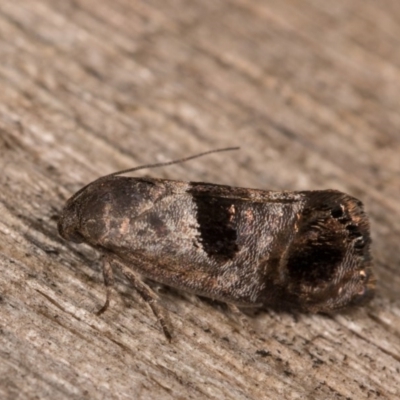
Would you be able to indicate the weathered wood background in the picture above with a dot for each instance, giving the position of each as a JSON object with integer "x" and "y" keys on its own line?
{"x": 311, "y": 92}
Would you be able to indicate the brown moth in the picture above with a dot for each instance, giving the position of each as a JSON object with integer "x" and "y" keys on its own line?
{"x": 306, "y": 250}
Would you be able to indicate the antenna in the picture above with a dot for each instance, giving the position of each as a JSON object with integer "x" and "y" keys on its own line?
{"x": 156, "y": 165}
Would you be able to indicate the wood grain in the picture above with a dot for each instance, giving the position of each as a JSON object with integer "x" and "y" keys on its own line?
{"x": 309, "y": 91}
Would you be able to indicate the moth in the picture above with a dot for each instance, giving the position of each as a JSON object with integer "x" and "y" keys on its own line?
{"x": 304, "y": 250}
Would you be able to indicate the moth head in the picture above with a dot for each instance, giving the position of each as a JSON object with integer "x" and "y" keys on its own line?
{"x": 79, "y": 218}
{"x": 328, "y": 265}
{"x": 86, "y": 215}
{"x": 69, "y": 222}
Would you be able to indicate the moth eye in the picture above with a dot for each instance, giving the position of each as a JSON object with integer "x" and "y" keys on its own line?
{"x": 337, "y": 212}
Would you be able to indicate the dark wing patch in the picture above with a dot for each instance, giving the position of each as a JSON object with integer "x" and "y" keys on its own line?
{"x": 217, "y": 227}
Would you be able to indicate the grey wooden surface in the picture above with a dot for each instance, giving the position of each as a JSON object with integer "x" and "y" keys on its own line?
{"x": 309, "y": 90}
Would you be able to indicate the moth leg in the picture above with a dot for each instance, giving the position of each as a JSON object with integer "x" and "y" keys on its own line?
{"x": 108, "y": 277}
{"x": 147, "y": 295}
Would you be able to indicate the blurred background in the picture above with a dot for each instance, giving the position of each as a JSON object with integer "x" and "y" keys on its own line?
{"x": 309, "y": 91}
